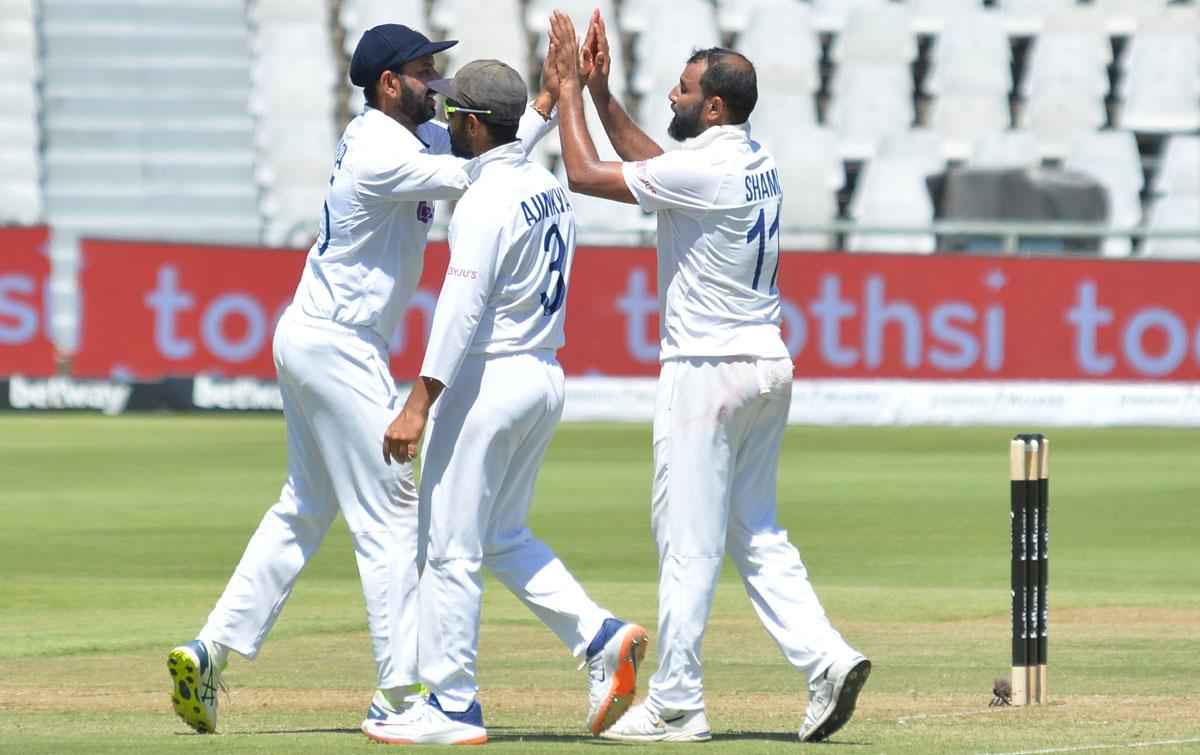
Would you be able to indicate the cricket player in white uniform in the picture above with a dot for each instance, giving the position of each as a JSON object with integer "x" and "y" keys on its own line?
{"x": 331, "y": 356}
{"x": 491, "y": 359}
{"x": 726, "y": 379}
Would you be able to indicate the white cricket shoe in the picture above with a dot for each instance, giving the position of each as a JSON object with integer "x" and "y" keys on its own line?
{"x": 195, "y": 680}
{"x": 382, "y": 711}
{"x": 425, "y": 723}
{"x": 612, "y": 672}
{"x": 831, "y": 699}
{"x": 640, "y": 724}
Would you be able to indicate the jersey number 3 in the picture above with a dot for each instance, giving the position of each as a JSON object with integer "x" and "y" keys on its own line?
{"x": 556, "y": 288}
{"x": 761, "y": 232}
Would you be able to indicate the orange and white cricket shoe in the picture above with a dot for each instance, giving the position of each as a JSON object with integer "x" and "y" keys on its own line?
{"x": 617, "y": 651}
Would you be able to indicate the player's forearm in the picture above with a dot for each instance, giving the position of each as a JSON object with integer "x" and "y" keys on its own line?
{"x": 544, "y": 103}
{"x": 578, "y": 151}
{"x": 424, "y": 392}
{"x": 586, "y": 172}
{"x": 630, "y": 142}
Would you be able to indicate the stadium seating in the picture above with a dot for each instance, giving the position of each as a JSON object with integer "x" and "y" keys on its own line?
{"x": 129, "y": 152}
{"x": 1024, "y": 18}
{"x": 934, "y": 16}
{"x": 832, "y": 16}
{"x": 1174, "y": 213}
{"x": 1179, "y": 170}
{"x": 870, "y": 100}
{"x": 876, "y": 35}
{"x": 667, "y": 32}
{"x": 780, "y": 38}
{"x": 294, "y": 136}
{"x": 1016, "y": 148}
{"x": 915, "y": 81}
{"x": 963, "y": 118}
{"x": 1160, "y": 83}
{"x": 811, "y": 174}
{"x": 1111, "y": 157}
{"x": 20, "y": 166}
{"x": 921, "y": 144}
{"x": 892, "y": 194}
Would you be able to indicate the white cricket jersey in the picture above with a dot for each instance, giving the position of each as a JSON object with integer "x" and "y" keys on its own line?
{"x": 512, "y": 239}
{"x": 718, "y": 200}
{"x": 370, "y": 247}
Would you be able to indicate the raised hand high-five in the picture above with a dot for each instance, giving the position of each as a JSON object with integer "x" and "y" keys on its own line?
{"x": 564, "y": 49}
{"x": 601, "y": 55}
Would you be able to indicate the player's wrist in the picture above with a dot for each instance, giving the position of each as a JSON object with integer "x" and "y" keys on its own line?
{"x": 601, "y": 94}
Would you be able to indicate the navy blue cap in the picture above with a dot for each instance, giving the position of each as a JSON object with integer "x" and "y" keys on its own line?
{"x": 387, "y": 47}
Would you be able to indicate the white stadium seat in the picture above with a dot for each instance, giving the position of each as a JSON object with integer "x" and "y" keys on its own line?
{"x": 491, "y": 29}
{"x": 921, "y": 144}
{"x": 663, "y": 47}
{"x": 1024, "y": 18}
{"x": 1015, "y": 148}
{"x": 962, "y": 118}
{"x": 288, "y": 11}
{"x": 892, "y": 193}
{"x": 1111, "y": 157}
{"x": 1160, "y": 100}
{"x": 962, "y": 70}
{"x": 1179, "y": 170}
{"x": 1174, "y": 214}
{"x": 1126, "y": 17}
{"x": 1073, "y": 63}
{"x": 356, "y": 16}
{"x": 932, "y": 16}
{"x": 1056, "y": 120}
{"x": 779, "y": 37}
{"x": 876, "y": 35}
{"x": 870, "y": 100}
{"x": 831, "y": 16}
{"x": 810, "y": 174}
{"x": 781, "y": 114}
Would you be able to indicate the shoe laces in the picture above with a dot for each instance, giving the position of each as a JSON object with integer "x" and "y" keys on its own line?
{"x": 595, "y": 667}
{"x": 208, "y": 693}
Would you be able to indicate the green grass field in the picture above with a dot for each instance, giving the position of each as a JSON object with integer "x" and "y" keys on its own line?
{"x": 118, "y": 535}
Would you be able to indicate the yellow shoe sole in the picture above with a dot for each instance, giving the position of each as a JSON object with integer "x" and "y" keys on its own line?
{"x": 185, "y": 684}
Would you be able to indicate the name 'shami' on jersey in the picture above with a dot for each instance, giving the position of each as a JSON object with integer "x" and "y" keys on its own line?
{"x": 762, "y": 185}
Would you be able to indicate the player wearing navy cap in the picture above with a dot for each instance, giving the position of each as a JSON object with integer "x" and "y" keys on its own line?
{"x": 331, "y": 357}
{"x": 726, "y": 380}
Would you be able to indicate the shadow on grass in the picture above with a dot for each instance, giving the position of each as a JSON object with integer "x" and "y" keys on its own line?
{"x": 299, "y": 731}
{"x": 509, "y": 734}
{"x": 498, "y": 734}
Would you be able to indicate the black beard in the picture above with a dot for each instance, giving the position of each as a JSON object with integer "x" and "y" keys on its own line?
{"x": 685, "y": 124}
{"x": 460, "y": 143}
{"x": 414, "y": 107}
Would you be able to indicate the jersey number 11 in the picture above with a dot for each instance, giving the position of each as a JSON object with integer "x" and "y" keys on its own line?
{"x": 761, "y": 232}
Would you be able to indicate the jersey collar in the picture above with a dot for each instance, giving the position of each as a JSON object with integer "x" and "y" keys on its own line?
{"x": 738, "y": 132}
{"x": 511, "y": 153}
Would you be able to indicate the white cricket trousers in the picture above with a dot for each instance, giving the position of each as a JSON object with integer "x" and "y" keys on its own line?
{"x": 718, "y": 426}
{"x": 338, "y": 399}
{"x": 483, "y": 448}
